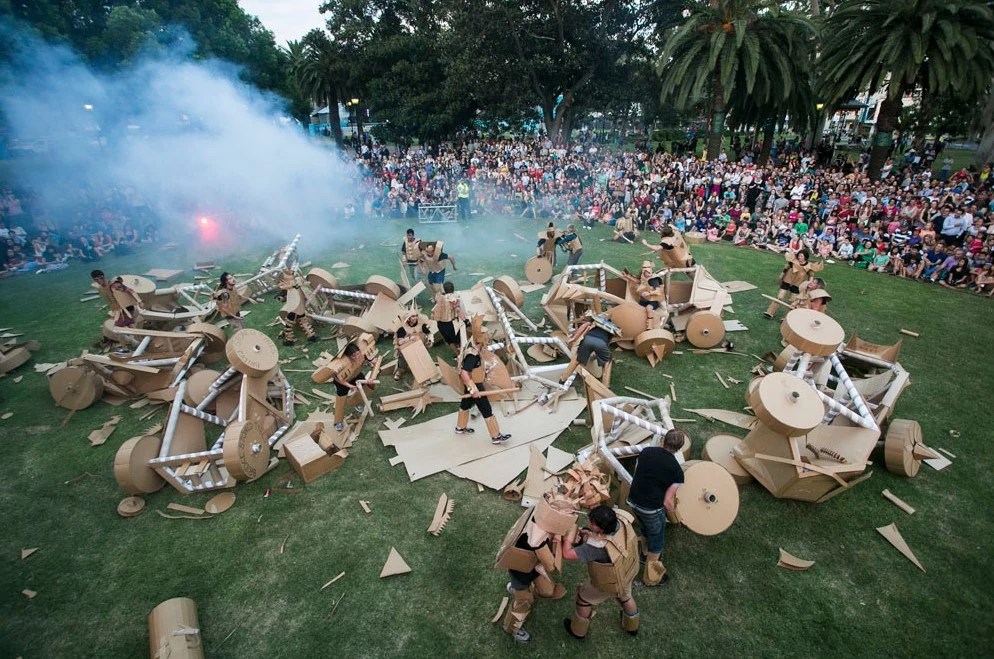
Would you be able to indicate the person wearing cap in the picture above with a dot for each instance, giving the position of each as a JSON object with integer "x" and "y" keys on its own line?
{"x": 609, "y": 548}
{"x": 571, "y": 244}
{"x": 472, "y": 374}
{"x": 657, "y": 477}
{"x": 411, "y": 326}
{"x": 818, "y": 300}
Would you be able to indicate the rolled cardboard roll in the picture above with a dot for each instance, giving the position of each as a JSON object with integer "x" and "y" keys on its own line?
{"x": 174, "y": 630}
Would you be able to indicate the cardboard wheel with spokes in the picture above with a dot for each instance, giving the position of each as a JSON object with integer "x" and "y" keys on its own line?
{"x": 246, "y": 452}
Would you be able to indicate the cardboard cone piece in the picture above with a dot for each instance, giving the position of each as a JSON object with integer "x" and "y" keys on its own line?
{"x": 895, "y": 538}
{"x": 395, "y": 565}
{"x": 791, "y": 562}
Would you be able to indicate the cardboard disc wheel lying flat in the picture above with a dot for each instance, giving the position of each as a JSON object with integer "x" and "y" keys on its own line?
{"x": 140, "y": 285}
{"x": 787, "y": 404}
{"x": 509, "y": 287}
{"x": 251, "y": 352}
{"x": 219, "y": 503}
{"x": 812, "y": 331}
{"x": 705, "y": 329}
{"x": 321, "y": 278}
{"x": 377, "y": 284}
{"x": 130, "y": 506}
{"x": 131, "y": 469}
{"x": 903, "y": 436}
{"x": 659, "y": 341}
{"x": 718, "y": 449}
{"x": 538, "y": 270}
{"x": 246, "y": 452}
{"x": 14, "y": 358}
{"x": 708, "y": 500}
{"x": 198, "y": 386}
{"x": 75, "y": 387}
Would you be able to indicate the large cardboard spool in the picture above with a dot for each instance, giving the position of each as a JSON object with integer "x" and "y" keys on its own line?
{"x": 705, "y": 329}
{"x": 245, "y": 449}
{"x": 251, "y": 352}
{"x": 214, "y": 341}
{"x": 198, "y": 386}
{"x": 107, "y": 331}
{"x": 694, "y": 238}
{"x": 320, "y": 278}
{"x": 14, "y": 358}
{"x": 356, "y": 325}
{"x": 786, "y": 404}
{"x": 903, "y": 448}
{"x": 130, "y": 506}
{"x": 75, "y": 387}
{"x": 538, "y": 270}
{"x": 509, "y": 287}
{"x": 718, "y": 449}
{"x": 140, "y": 285}
{"x": 377, "y": 284}
{"x": 708, "y": 500}
{"x": 812, "y": 331}
{"x": 780, "y": 362}
{"x": 174, "y": 630}
{"x": 630, "y": 319}
{"x": 659, "y": 341}
{"x": 131, "y": 469}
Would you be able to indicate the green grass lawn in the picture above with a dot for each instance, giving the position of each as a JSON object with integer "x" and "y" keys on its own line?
{"x": 98, "y": 575}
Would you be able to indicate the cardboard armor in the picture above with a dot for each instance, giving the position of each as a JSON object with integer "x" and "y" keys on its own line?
{"x": 447, "y": 308}
{"x": 622, "y": 549}
{"x": 675, "y": 253}
{"x": 411, "y": 250}
{"x": 547, "y": 242}
{"x": 228, "y": 301}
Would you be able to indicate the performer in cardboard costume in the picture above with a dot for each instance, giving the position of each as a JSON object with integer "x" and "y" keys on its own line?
{"x": 472, "y": 374}
{"x": 592, "y": 337}
{"x": 529, "y": 554}
{"x": 294, "y": 311}
{"x": 346, "y": 372}
{"x": 652, "y": 297}
{"x": 672, "y": 250}
{"x": 411, "y": 326}
{"x": 571, "y": 244}
{"x": 610, "y": 550}
{"x": 547, "y": 241}
{"x": 229, "y": 301}
{"x": 410, "y": 254}
{"x": 794, "y": 275}
{"x": 625, "y": 231}
{"x": 123, "y": 302}
{"x": 432, "y": 264}
{"x": 447, "y": 311}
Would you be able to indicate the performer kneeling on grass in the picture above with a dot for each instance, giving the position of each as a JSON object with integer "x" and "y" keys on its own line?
{"x": 610, "y": 550}
{"x": 472, "y": 374}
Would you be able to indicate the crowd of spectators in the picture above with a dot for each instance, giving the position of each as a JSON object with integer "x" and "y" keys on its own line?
{"x": 87, "y": 226}
{"x": 937, "y": 227}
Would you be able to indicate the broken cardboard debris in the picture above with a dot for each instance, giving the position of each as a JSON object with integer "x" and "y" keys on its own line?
{"x": 500, "y": 610}
{"x": 30, "y": 594}
{"x": 365, "y": 506}
{"x": 340, "y": 575}
{"x": 893, "y": 536}
{"x": 792, "y": 562}
{"x": 443, "y": 511}
{"x": 130, "y": 506}
{"x": 27, "y": 552}
{"x": 6, "y": 415}
{"x": 220, "y": 503}
{"x": 178, "y": 507}
{"x": 395, "y": 565}
{"x": 162, "y": 514}
{"x": 738, "y": 286}
{"x": 898, "y": 502}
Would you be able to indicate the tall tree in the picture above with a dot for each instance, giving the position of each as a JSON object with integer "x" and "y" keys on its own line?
{"x": 317, "y": 70}
{"x": 942, "y": 46}
{"x": 741, "y": 51}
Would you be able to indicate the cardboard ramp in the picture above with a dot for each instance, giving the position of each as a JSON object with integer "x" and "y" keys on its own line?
{"x": 431, "y": 447}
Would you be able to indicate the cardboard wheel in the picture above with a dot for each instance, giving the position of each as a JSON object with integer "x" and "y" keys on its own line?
{"x": 294, "y": 304}
{"x": 538, "y": 270}
{"x": 705, "y": 329}
{"x": 356, "y": 325}
{"x": 246, "y": 453}
{"x": 659, "y": 341}
{"x": 377, "y": 284}
{"x": 251, "y": 352}
{"x": 903, "y": 437}
{"x": 131, "y": 469}
{"x": 14, "y": 358}
{"x": 751, "y": 388}
{"x": 198, "y": 386}
{"x": 786, "y": 404}
{"x": 685, "y": 449}
{"x": 630, "y": 319}
{"x": 219, "y": 503}
{"x": 321, "y": 278}
{"x": 214, "y": 341}
{"x": 780, "y": 362}
{"x": 708, "y": 500}
{"x": 509, "y": 286}
{"x": 812, "y": 331}
{"x": 140, "y": 285}
{"x": 718, "y": 449}
{"x": 227, "y": 402}
{"x": 107, "y": 331}
{"x": 130, "y": 506}
{"x": 75, "y": 387}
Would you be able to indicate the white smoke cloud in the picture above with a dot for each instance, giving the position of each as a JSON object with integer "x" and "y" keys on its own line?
{"x": 187, "y": 137}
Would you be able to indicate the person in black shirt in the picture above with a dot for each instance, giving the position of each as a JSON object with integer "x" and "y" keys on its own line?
{"x": 657, "y": 476}
{"x": 472, "y": 374}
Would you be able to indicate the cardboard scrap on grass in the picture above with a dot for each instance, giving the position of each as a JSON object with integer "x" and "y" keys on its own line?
{"x": 395, "y": 565}
{"x": 103, "y": 433}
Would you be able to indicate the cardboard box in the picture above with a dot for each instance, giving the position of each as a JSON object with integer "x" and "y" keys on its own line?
{"x": 309, "y": 460}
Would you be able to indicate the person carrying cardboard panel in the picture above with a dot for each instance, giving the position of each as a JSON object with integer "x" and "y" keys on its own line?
{"x": 610, "y": 549}
{"x": 411, "y": 326}
{"x": 472, "y": 374}
{"x": 121, "y": 300}
{"x": 447, "y": 311}
{"x": 432, "y": 264}
{"x": 345, "y": 371}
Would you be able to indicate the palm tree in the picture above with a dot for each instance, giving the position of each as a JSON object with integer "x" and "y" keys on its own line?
{"x": 316, "y": 67}
{"x": 728, "y": 51}
{"x": 942, "y": 46}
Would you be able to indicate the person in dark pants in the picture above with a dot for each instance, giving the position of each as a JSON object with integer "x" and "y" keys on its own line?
{"x": 593, "y": 337}
{"x": 657, "y": 477}
{"x": 472, "y": 374}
